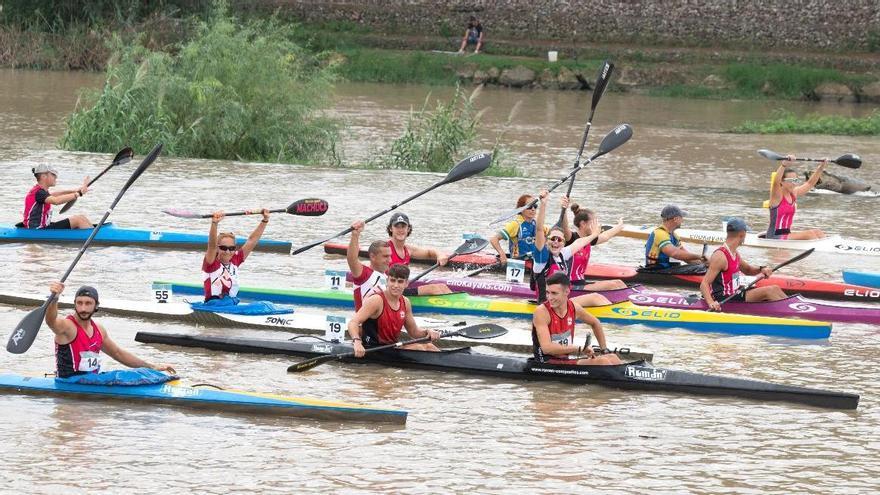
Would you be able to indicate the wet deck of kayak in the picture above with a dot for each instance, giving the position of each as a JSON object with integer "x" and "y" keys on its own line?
{"x": 464, "y": 433}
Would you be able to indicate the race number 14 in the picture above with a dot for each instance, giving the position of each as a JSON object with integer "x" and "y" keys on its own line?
{"x": 161, "y": 293}
{"x": 516, "y": 270}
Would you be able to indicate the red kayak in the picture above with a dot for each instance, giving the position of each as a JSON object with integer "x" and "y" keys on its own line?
{"x": 597, "y": 271}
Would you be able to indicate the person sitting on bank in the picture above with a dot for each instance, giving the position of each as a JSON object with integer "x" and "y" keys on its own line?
{"x": 222, "y": 259}
{"x": 553, "y": 328}
{"x": 79, "y": 340}
{"x": 662, "y": 244}
{"x": 39, "y": 201}
{"x": 384, "y": 313}
{"x": 726, "y": 267}
{"x": 473, "y": 35}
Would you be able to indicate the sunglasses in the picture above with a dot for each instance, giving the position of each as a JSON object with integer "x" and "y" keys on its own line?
{"x": 533, "y": 207}
{"x": 792, "y": 180}
{"x": 556, "y": 239}
{"x": 226, "y": 248}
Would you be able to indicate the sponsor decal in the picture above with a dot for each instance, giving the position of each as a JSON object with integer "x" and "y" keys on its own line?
{"x": 862, "y": 293}
{"x": 179, "y": 391}
{"x": 322, "y": 348}
{"x": 441, "y": 302}
{"x": 645, "y": 373}
{"x": 647, "y": 313}
{"x": 281, "y": 322}
{"x": 560, "y": 371}
{"x": 17, "y": 336}
{"x": 312, "y": 206}
{"x": 671, "y": 300}
{"x": 866, "y": 249}
{"x": 802, "y": 307}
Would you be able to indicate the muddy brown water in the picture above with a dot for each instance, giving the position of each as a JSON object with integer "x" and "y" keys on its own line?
{"x": 464, "y": 434}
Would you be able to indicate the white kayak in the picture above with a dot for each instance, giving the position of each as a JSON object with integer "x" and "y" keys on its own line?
{"x": 830, "y": 244}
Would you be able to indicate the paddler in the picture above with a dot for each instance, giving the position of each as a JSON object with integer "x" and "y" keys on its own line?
{"x": 399, "y": 229}
{"x": 784, "y": 192}
{"x": 584, "y": 222}
{"x": 551, "y": 255}
{"x": 39, "y": 201}
{"x": 384, "y": 313}
{"x": 553, "y": 334}
{"x": 724, "y": 276}
{"x": 519, "y": 232}
{"x": 79, "y": 340}
{"x": 662, "y": 244}
{"x": 222, "y": 259}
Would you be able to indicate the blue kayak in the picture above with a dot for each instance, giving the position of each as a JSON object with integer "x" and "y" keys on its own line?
{"x": 865, "y": 279}
{"x": 202, "y": 397}
{"x": 110, "y": 234}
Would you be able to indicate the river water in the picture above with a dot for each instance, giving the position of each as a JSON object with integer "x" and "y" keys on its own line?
{"x": 464, "y": 434}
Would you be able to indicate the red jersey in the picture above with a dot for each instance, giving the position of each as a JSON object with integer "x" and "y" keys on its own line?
{"x": 221, "y": 280}
{"x": 561, "y": 332}
{"x": 37, "y": 212}
{"x": 369, "y": 281}
{"x": 386, "y": 328}
{"x": 728, "y": 281}
{"x": 397, "y": 259}
{"x": 579, "y": 262}
{"x": 82, "y": 354}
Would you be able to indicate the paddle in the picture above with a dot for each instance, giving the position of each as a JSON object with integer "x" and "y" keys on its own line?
{"x": 777, "y": 267}
{"x": 493, "y": 265}
{"x": 598, "y": 91}
{"x": 486, "y": 331}
{"x": 848, "y": 160}
{"x": 124, "y": 156}
{"x": 464, "y": 169}
{"x": 614, "y": 139}
{"x": 469, "y": 246}
{"x": 309, "y": 207}
{"x": 26, "y": 331}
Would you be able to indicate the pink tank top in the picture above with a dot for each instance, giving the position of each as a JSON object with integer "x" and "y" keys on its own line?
{"x": 727, "y": 281}
{"x": 82, "y": 354}
{"x": 579, "y": 263}
{"x": 781, "y": 218}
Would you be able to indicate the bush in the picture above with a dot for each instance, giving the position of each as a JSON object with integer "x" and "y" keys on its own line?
{"x": 787, "y": 123}
{"x": 232, "y": 92}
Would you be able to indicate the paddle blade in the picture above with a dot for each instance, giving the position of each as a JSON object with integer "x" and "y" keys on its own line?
{"x": 471, "y": 246}
{"x": 124, "y": 156}
{"x": 68, "y": 205}
{"x": 614, "y": 139}
{"x": 311, "y": 363}
{"x": 484, "y": 331}
{"x": 771, "y": 155}
{"x": 147, "y": 161}
{"x": 309, "y": 207}
{"x": 181, "y": 213}
{"x": 24, "y": 334}
{"x": 468, "y": 167}
{"x": 849, "y": 160}
{"x": 602, "y": 82}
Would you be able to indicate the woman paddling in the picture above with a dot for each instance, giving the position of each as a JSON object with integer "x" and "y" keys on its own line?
{"x": 222, "y": 259}
{"x": 584, "y": 220}
{"x": 519, "y": 232}
{"x": 551, "y": 255}
{"x": 784, "y": 192}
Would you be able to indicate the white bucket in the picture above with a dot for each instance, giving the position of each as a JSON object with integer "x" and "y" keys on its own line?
{"x": 552, "y": 56}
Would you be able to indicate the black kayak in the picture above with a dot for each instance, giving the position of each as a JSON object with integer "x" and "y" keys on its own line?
{"x": 637, "y": 375}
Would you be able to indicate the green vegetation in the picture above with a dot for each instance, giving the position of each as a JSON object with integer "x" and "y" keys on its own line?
{"x": 787, "y": 123}
{"x": 233, "y": 92}
{"x": 435, "y": 139}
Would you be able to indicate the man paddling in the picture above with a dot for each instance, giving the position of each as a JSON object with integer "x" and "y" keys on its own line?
{"x": 724, "y": 276}
{"x": 79, "y": 340}
{"x": 384, "y": 313}
{"x": 553, "y": 328}
{"x": 399, "y": 229}
{"x": 222, "y": 259}
{"x": 39, "y": 201}
{"x": 663, "y": 244}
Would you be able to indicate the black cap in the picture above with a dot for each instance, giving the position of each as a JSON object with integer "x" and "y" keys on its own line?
{"x": 87, "y": 291}
{"x": 672, "y": 211}
{"x": 398, "y": 218}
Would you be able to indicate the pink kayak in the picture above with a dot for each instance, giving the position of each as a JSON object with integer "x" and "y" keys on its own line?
{"x": 487, "y": 287}
{"x": 795, "y": 306}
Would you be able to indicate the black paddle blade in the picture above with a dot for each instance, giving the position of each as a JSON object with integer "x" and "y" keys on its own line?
{"x": 614, "y": 139}
{"x": 849, "y": 160}
{"x": 147, "y": 161}
{"x": 124, "y": 156}
{"x": 468, "y": 167}
{"x": 771, "y": 155}
{"x": 26, "y": 332}
{"x": 311, "y": 363}
{"x": 309, "y": 207}
{"x": 602, "y": 82}
{"x": 485, "y": 331}
{"x": 471, "y": 246}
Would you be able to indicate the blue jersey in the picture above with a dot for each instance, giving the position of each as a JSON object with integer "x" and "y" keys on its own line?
{"x": 654, "y": 255}
{"x": 520, "y": 235}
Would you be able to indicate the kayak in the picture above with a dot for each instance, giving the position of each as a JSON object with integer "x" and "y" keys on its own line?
{"x": 596, "y": 271}
{"x": 868, "y": 279}
{"x": 484, "y": 287}
{"x": 794, "y": 306}
{"x": 624, "y": 313}
{"x": 829, "y": 244}
{"x": 206, "y": 398}
{"x": 110, "y": 234}
{"x": 478, "y": 260}
{"x": 637, "y": 375}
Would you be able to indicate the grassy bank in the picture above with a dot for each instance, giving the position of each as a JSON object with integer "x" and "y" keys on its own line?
{"x": 786, "y": 123}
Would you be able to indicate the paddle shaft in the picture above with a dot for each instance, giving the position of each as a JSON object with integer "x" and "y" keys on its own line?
{"x": 118, "y": 160}
{"x": 469, "y": 247}
{"x": 311, "y": 363}
{"x": 777, "y": 267}
{"x": 241, "y": 213}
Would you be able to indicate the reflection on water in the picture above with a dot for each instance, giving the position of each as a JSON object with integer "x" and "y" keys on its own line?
{"x": 464, "y": 433}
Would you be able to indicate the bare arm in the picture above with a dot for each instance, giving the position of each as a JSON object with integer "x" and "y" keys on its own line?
{"x": 127, "y": 358}
{"x": 582, "y": 242}
{"x": 541, "y": 321}
{"x": 495, "y": 241}
{"x": 812, "y": 181}
{"x": 540, "y": 235}
{"x": 254, "y": 238}
{"x": 717, "y": 264}
{"x": 680, "y": 253}
{"x": 595, "y": 324}
{"x": 371, "y": 308}
{"x": 566, "y": 228}
{"x": 608, "y": 234}
{"x": 410, "y": 323}
{"x": 64, "y": 329}
{"x": 352, "y": 254}
{"x": 211, "y": 253}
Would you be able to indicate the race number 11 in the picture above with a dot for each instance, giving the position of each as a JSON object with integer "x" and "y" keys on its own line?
{"x": 161, "y": 293}
{"x": 334, "y": 279}
{"x": 516, "y": 270}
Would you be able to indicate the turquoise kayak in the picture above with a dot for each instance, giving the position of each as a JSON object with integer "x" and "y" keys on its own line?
{"x": 110, "y": 234}
{"x": 865, "y": 279}
{"x": 201, "y": 397}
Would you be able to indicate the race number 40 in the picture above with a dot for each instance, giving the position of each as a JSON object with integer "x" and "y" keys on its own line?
{"x": 161, "y": 293}
{"x": 516, "y": 270}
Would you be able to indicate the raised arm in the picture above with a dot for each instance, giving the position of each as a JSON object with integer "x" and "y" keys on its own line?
{"x": 352, "y": 254}
{"x": 608, "y": 234}
{"x": 540, "y": 235}
{"x": 61, "y": 327}
{"x": 211, "y": 253}
{"x": 812, "y": 181}
{"x": 254, "y": 238}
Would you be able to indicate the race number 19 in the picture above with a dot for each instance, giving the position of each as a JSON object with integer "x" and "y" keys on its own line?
{"x": 161, "y": 293}
{"x": 335, "y": 331}
{"x": 334, "y": 279}
{"x": 516, "y": 270}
